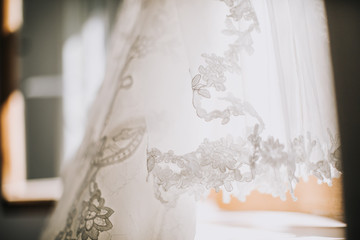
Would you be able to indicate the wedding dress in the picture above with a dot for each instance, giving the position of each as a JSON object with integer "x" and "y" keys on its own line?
{"x": 231, "y": 95}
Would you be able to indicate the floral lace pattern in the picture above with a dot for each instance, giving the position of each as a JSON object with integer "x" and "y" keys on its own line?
{"x": 92, "y": 220}
{"x": 94, "y": 216}
{"x": 88, "y": 219}
{"x": 266, "y": 164}
{"x": 224, "y": 163}
{"x": 262, "y": 163}
{"x": 240, "y": 23}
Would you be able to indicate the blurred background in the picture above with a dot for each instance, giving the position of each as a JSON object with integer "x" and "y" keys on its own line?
{"x": 61, "y": 56}
{"x": 53, "y": 55}
{"x": 53, "y": 58}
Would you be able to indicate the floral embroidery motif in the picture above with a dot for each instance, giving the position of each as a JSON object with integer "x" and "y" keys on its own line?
{"x": 272, "y": 153}
{"x": 240, "y": 23}
{"x": 221, "y": 164}
{"x": 224, "y": 163}
{"x": 94, "y": 216}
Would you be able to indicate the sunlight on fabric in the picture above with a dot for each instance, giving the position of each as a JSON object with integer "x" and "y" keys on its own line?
{"x": 213, "y": 223}
{"x": 233, "y": 95}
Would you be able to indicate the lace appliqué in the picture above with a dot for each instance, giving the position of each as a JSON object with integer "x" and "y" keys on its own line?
{"x": 240, "y": 23}
{"x": 92, "y": 220}
{"x": 94, "y": 216}
{"x": 88, "y": 219}
{"x": 224, "y": 164}
{"x": 242, "y": 165}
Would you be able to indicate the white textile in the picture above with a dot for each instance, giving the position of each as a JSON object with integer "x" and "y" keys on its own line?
{"x": 231, "y": 95}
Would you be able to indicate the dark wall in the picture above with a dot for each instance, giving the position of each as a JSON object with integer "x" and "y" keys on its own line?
{"x": 41, "y": 40}
{"x": 22, "y": 222}
{"x": 344, "y": 27}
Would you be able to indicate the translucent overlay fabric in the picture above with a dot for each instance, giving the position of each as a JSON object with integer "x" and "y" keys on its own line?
{"x": 231, "y": 95}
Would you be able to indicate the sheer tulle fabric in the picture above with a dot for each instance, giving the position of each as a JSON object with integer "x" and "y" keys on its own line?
{"x": 231, "y": 95}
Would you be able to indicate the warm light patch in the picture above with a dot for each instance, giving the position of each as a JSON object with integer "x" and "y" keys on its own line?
{"x": 13, "y": 140}
{"x": 314, "y": 198}
{"x": 14, "y": 186}
{"x": 13, "y": 17}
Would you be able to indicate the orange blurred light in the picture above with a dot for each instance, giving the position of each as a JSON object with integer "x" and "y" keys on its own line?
{"x": 14, "y": 185}
{"x": 13, "y": 17}
{"x": 313, "y": 198}
{"x": 13, "y": 140}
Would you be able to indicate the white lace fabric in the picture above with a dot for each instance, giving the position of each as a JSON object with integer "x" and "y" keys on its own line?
{"x": 262, "y": 93}
{"x": 231, "y": 95}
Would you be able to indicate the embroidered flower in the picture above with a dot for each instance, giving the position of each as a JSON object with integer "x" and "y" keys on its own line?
{"x": 272, "y": 153}
{"x": 213, "y": 73}
{"x": 94, "y": 217}
{"x": 219, "y": 154}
